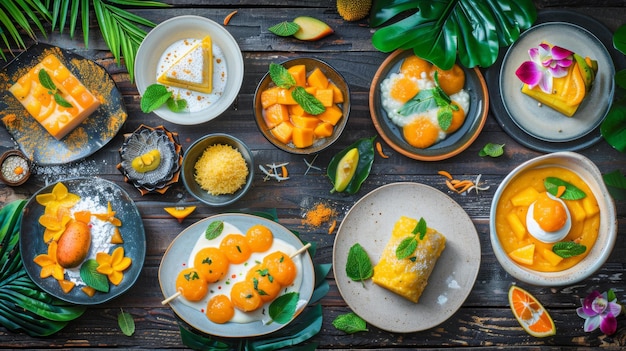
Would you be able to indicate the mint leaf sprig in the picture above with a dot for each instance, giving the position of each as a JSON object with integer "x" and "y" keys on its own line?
{"x": 567, "y": 249}
{"x": 156, "y": 95}
{"x": 282, "y": 78}
{"x": 358, "y": 265}
{"x": 408, "y": 245}
{"x": 47, "y": 82}
{"x": 284, "y": 29}
{"x": 350, "y": 323}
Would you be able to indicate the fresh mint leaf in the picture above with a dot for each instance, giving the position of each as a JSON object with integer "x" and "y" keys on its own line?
{"x": 444, "y": 117}
{"x": 358, "y": 266}
{"x": 214, "y": 230}
{"x": 283, "y": 308}
{"x": 423, "y": 101}
{"x": 61, "y": 101}
{"x": 126, "y": 323}
{"x": 571, "y": 191}
{"x": 176, "y": 105}
{"x": 568, "y": 249}
{"x": 420, "y": 228}
{"x": 92, "y": 277}
{"x": 281, "y": 77}
{"x": 616, "y": 184}
{"x": 307, "y": 101}
{"x": 350, "y": 323}
{"x": 284, "y": 29}
{"x": 492, "y": 150}
{"x": 46, "y": 81}
{"x": 406, "y": 248}
{"x": 154, "y": 97}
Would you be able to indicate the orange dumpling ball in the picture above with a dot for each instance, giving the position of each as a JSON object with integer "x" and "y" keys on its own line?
{"x": 451, "y": 81}
{"x": 260, "y": 238}
{"x": 421, "y": 133}
{"x": 220, "y": 309}
{"x": 211, "y": 264}
{"x": 191, "y": 284}
{"x": 281, "y": 267}
{"x": 414, "y": 66}
{"x": 244, "y": 297}
{"x": 458, "y": 117}
{"x": 236, "y": 248}
{"x": 264, "y": 283}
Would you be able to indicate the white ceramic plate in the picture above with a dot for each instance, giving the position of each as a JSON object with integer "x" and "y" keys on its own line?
{"x": 370, "y": 222}
{"x": 161, "y": 37}
{"x": 176, "y": 257}
{"x": 543, "y": 122}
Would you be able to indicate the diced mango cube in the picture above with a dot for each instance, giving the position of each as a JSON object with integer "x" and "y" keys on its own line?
{"x": 323, "y": 130}
{"x": 304, "y": 121}
{"x": 296, "y": 110}
{"x": 284, "y": 97}
{"x": 298, "y": 72}
{"x": 551, "y": 257}
{"x": 576, "y": 210}
{"x": 516, "y": 225}
{"x": 269, "y": 97}
{"x": 325, "y": 96}
{"x": 332, "y": 115}
{"x": 525, "y": 197}
{"x": 275, "y": 114}
{"x": 283, "y": 132}
{"x": 317, "y": 79}
{"x": 337, "y": 93}
{"x": 311, "y": 90}
{"x": 591, "y": 206}
{"x": 524, "y": 254}
{"x": 302, "y": 137}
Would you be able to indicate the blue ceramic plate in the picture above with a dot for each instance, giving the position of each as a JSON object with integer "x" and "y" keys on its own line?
{"x": 90, "y": 136}
{"x": 178, "y": 255}
{"x": 99, "y": 192}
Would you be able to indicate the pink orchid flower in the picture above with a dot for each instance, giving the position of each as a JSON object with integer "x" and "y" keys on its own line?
{"x": 600, "y": 310}
{"x": 545, "y": 64}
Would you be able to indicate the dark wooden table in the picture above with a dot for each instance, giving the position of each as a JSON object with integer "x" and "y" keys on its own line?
{"x": 485, "y": 319}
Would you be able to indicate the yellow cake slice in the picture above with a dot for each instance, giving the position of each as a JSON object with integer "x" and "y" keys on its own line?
{"x": 58, "y": 110}
{"x": 193, "y": 70}
{"x": 569, "y": 91}
{"x": 408, "y": 277}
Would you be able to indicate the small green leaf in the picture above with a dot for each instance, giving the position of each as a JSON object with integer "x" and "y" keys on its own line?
{"x": 283, "y": 308}
{"x": 61, "y": 101}
{"x": 420, "y": 228}
{"x": 284, "y": 29}
{"x": 307, "y": 101}
{"x": 423, "y": 101}
{"x": 350, "y": 323}
{"x": 93, "y": 278}
{"x": 571, "y": 191}
{"x": 406, "y": 248}
{"x": 154, "y": 97}
{"x": 568, "y": 249}
{"x": 616, "y": 184}
{"x": 126, "y": 323}
{"x": 444, "y": 117}
{"x": 492, "y": 150}
{"x": 46, "y": 81}
{"x": 176, "y": 105}
{"x": 610, "y": 295}
{"x": 358, "y": 266}
{"x": 281, "y": 77}
{"x": 214, "y": 230}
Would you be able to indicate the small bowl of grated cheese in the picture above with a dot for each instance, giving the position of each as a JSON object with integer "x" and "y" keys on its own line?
{"x": 218, "y": 169}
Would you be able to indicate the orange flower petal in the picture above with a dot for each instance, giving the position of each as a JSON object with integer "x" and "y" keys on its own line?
{"x": 123, "y": 264}
{"x": 116, "y": 277}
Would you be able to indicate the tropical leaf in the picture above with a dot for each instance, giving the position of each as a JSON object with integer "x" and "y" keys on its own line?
{"x": 444, "y": 31}
{"x": 17, "y": 17}
{"x": 23, "y": 306}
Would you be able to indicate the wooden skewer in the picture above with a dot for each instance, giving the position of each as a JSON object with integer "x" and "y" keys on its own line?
{"x": 178, "y": 293}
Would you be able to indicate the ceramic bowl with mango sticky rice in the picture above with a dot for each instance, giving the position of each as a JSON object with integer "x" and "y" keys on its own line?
{"x": 551, "y": 222}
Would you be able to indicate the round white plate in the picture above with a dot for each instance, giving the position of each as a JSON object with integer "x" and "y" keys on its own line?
{"x": 370, "y": 222}
{"x": 161, "y": 37}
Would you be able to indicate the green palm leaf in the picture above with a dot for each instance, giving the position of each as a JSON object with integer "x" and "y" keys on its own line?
{"x": 441, "y": 31}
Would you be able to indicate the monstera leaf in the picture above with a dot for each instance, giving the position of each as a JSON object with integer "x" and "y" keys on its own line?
{"x": 439, "y": 30}
{"x": 23, "y": 306}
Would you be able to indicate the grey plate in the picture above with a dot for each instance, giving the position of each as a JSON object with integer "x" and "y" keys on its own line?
{"x": 32, "y": 244}
{"x": 175, "y": 258}
{"x": 370, "y": 222}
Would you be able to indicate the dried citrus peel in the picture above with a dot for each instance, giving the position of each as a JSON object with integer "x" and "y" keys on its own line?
{"x": 379, "y": 149}
{"x": 228, "y": 17}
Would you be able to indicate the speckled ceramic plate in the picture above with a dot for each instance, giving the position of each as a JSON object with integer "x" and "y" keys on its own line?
{"x": 540, "y": 127}
{"x": 176, "y": 258}
{"x": 90, "y": 136}
{"x": 99, "y": 191}
{"x": 455, "y": 142}
{"x": 370, "y": 222}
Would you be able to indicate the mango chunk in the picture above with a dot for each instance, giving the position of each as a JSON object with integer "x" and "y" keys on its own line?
{"x": 323, "y": 130}
{"x": 591, "y": 206}
{"x": 275, "y": 114}
{"x": 283, "y": 132}
{"x": 332, "y": 115}
{"x": 317, "y": 79}
{"x": 298, "y": 72}
{"x": 516, "y": 225}
{"x": 302, "y": 137}
{"x": 525, "y": 197}
{"x": 325, "y": 96}
{"x": 551, "y": 257}
{"x": 576, "y": 210}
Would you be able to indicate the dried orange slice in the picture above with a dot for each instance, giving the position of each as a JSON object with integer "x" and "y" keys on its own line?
{"x": 530, "y": 313}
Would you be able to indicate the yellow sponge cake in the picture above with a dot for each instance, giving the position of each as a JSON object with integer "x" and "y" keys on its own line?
{"x": 193, "y": 70}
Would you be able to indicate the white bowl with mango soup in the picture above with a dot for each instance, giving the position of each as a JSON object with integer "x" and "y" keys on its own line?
{"x": 553, "y": 240}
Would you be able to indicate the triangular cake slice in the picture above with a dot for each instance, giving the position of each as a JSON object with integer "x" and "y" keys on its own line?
{"x": 193, "y": 70}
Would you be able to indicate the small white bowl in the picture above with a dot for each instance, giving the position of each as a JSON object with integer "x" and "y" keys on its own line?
{"x": 161, "y": 37}
{"x": 607, "y": 233}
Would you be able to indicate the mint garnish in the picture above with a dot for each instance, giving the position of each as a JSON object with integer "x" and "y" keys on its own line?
{"x": 46, "y": 82}
{"x": 281, "y": 77}
{"x": 156, "y": 95}
{"x": 493, "y": 150}
{"x": 309, "y": 103}
{"x": 284, "y": 29}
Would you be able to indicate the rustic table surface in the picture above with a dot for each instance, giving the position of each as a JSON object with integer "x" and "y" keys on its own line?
{"x": 484, "y": 320}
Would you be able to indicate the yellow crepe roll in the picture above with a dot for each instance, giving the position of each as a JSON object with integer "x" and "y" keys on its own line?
{"x": 408, "y": 277}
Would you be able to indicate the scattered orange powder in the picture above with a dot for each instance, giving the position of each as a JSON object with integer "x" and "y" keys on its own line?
{"x": 318, "y": 215}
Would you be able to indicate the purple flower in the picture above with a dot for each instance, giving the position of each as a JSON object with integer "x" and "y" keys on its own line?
{"x": 545, "y": 63}
{"x": 600, "y": 310}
